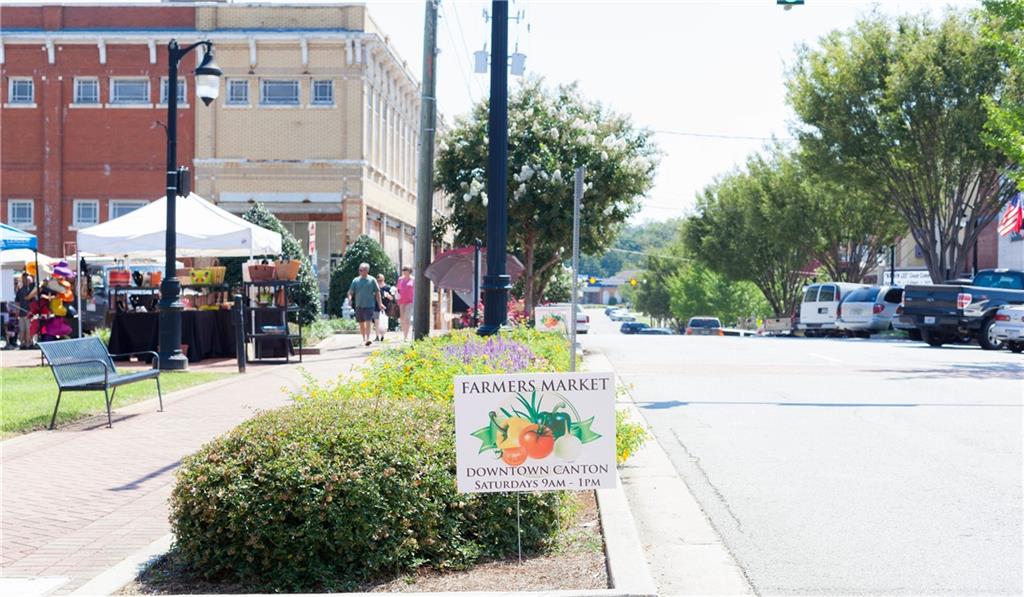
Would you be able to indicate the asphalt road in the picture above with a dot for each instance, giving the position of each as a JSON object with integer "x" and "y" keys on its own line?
{"x": 841, "y": 466}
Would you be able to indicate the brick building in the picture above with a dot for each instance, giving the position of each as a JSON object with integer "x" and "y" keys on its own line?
{"x": 317, "y": 118}
{"x": 80, "y": 134}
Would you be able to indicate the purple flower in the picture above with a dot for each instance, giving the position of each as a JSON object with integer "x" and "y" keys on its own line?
{"x": 500, "y": 353}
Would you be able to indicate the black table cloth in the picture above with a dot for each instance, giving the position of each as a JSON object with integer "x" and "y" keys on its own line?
{"x": 208, "y": 334}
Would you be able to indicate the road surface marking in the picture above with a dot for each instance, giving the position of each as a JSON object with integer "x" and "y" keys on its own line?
{"x": 821, "y": 356}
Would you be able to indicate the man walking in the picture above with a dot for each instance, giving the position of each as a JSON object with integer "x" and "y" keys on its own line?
{"x": 364, "y": 296}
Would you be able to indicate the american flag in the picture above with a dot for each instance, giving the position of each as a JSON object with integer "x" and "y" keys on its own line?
{"x": 1013, "y": 218}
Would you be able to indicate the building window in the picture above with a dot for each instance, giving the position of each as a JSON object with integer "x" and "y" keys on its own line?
{"x": 21, "y": 213}
{"x": 129, "y": 91}
{"x": 21, "y": 90}
{"x": 87, "y": 213}
{"x": 87, "y": 91}
{"x": 119, "y": 208}
{"x": 323, "y": 93}
{"x": 181, "y": 91}
{"x": 238, "y": 92}
{"x": 278, "y": 92}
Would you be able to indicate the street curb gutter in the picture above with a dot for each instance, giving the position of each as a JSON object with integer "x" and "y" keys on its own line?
{"x": 624, "y": 553}
{"x": 684, "y": 552}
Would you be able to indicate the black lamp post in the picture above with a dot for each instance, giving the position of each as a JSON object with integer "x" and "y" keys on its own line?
{"x": 207, "y": 88}
{"x": 497, "y": 283}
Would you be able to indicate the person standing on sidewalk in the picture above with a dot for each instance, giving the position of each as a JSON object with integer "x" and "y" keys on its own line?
{"x": 364, "y": 296}
{"x": 23, "y": 298}
{"x": 404, "y": 289}
{"x": 387, "y": 298}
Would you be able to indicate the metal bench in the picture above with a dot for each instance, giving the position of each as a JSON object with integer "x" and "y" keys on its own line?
{"x": 83, "y": 364}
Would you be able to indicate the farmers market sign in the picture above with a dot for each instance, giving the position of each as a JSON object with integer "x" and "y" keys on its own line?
{"x": 535, "y": 432}
{"x": 552, "y": 318}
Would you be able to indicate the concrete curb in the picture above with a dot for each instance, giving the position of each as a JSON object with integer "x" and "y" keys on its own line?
{"x": 684, "y": 552}
{"x": 624, "y": 553}
{"x": 113, "y": 579}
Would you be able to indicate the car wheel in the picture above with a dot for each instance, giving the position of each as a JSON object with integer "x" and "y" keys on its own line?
{"x": 933, "y": 338}
{"x": 987, "y": 336}
{"x": 1016, "y": 347}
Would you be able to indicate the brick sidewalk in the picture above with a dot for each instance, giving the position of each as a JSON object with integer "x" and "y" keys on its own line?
{"x": 78, "y": 500}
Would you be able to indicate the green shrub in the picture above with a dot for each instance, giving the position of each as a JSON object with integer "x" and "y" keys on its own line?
{"x": 326, "y": 495}
{"x": 307, "y": 295}
{"x": 425, "y": 370}
{"x": 629, "y": 436}
{"x": 363, "y": 250}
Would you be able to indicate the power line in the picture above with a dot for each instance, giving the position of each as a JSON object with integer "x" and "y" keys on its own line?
{"x": 462, "y": 36}
{"x": 720, "y": 136}
{"x": 458, "y": 60}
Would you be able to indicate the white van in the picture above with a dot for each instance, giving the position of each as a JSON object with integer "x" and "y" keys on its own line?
{"x": 819, "y": 307}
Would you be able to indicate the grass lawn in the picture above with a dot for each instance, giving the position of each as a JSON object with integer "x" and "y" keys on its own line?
{"x": 27, "y": 396}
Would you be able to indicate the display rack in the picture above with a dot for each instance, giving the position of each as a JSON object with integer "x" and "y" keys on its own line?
{"x": 258, "y": 317}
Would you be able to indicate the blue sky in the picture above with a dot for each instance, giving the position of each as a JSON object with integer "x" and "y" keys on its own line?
{"x": 705, "y": 67}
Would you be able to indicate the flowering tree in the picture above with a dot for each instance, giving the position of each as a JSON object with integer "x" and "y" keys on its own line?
{"x": 551, "y": 133}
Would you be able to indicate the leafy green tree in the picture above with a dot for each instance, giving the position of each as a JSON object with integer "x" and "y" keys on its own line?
{"x": 653, "y": 295}
{"x": 851, "y": 228}
{"x": 895, "y": 108}
{"x": 696, "y": 290}
{"x": 628, "y": 251}
{"x": 307, "y": 294}
{"x": 753, "y": 225}
{"x": 1004, "y": 29}
{"x": 551, "y": 133}
{"x": 363, "y": 250}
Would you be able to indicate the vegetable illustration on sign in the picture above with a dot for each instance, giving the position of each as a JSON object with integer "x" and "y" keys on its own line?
{"x": 551, "y": 320}
{"x": 522, "y": 429}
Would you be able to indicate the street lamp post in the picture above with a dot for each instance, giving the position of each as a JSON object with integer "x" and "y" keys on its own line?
{"x": 497, "y": 282}
{"x": 207, "y": 88}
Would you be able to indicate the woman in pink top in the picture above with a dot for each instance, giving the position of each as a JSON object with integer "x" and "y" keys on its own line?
{"x": 405, "y": 292}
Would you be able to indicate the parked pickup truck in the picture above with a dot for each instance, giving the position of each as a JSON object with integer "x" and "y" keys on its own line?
{"x": 946, "y": 313}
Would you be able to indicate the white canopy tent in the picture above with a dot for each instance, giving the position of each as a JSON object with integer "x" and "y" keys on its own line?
{"x": 203, "y": 230}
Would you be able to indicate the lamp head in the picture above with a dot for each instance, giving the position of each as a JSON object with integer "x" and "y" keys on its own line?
{"x": 208, "y": 78}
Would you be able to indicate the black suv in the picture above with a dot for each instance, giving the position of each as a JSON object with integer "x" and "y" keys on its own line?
{"x": 633, "y": 327}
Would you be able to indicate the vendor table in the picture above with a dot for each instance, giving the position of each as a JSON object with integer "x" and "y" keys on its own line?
{"x": 208, "y": 334}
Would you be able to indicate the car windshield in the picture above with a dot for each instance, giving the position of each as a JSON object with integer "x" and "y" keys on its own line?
{"x": 1008, "y": 280}
{"x": 863, "y": 295}
{"x": 704, "y": 323}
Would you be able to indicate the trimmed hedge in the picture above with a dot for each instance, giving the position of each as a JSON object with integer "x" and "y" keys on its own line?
{"x": 357, "y": 481}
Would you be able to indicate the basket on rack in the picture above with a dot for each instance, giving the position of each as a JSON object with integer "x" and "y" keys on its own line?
{"x": 261, "y": 272}
{"x": 201, "y": 276}
{"x": 287, "y": 270}
{"x": 217, "y": 274}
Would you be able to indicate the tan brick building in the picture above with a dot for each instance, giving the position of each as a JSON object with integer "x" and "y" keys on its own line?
{"x": 318, "y": 119}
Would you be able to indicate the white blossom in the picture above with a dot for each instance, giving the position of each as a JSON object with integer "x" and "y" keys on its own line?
{"x": 475, "y": 187}
{"x": 557, "y": 175}
{"x": 483, "y": 198}
{"x": 554, "y": 133}
{"x": 604, "y": 156}
{"x": 466, "y": 197}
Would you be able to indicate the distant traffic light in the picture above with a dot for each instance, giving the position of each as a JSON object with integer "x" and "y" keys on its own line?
{"x": 633, "y": 282}
{"x": 591, "y": 280}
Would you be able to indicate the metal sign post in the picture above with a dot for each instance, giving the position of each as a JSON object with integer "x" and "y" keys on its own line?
{"x": 577, "y": 198}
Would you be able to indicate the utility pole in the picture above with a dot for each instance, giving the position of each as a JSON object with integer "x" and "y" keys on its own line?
{"x": 425, "y": 174}
{"x": 497, "y": 283}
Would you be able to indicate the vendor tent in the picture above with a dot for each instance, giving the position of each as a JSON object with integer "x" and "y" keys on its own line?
{"x": 203, "y": 230}
{"x": 13, "y": 238}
